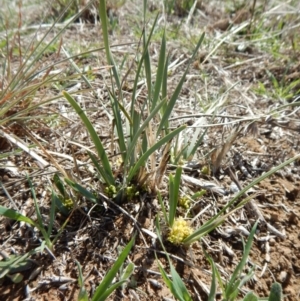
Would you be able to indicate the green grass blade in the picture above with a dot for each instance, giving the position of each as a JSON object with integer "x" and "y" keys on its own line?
{"x": 147, "y": 65}
{"x": 58, "y": 203}
{"x": 98, "y": 167}
{"x": 160, "y": 71}
{"x": 172, "y": 201}
{"x": 175, "y": 95}
{"x": 80, "y": 276}
{"x": 144, "y": 143}
{"x": 90, "y": 196}
{"x": 205, "y": 229}
{"x": 103, "y": 18}
{"x": 59, "y": 185}
{"x": 247, "y": 277}
{"x": 14, "y": 215}
{"x": 139, "y": 68}
{"x": 264, "y": 176}
{"x": 164, "y": 275}
{"x": 170, "y": 105}
{"x": 27, "y": 71}
{"x": 276, "y": 292}
{"x": 121, "y": 107}
{"x": 107, "y": 280}
{"x": 136, "y": 123}
{"x": 162, "y": 206}
{"x": 82, "y": 296}
{"x": 29, "y": 59}
{"x": 213, "y": 286}
{"x": 136, "y": 119}
{"x": 174, "y": 185}
{"x": 128, "y": 272}
{"x": 144, "y": 10}
{"x": 52, "y": 216}
{"x": 164, "y": 94}
{"x": 140, "y": 131}
{"x": 178, "y": 155}
{"x": 16, "y": 263}
{"x": 231, "y": 287}
{"x": 119, "y": 125}
{"x": 54, "y": 199}
{"x": 110, "y": 290}
{"x": 85, "y": 79}
{"x": 16, "y": 96}
{"x": 106, "y": 171}
{"x": 250, "y": 297}
{"x": 109, "y": 57}
{"x": 151, "y": 150}
{"x": 15, "y": 278}
{"x": 135, "y": 87}
{"x": 216, "y": 276}
{"x": 39, "y": 216}
{"x": 37, "y": 209}
{"x": 178, "y": 286}
{"x": 164, "y": 86}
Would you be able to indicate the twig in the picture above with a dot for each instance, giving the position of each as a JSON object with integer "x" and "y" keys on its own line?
{"x": 252, "y": 208}
{"x": 19, "y": 143}
{"x": 191, "y": 12}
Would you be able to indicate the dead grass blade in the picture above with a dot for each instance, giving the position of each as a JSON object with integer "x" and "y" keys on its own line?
{"x": 219, "y": 154}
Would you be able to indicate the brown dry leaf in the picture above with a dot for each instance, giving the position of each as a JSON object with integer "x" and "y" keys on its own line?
{"x": 162, "y": 165}
{"x": 142, "y": 176}
{"x": 222, "y": 24}
{"x": 241, "y": 16}
{"x": 218, "y": 155}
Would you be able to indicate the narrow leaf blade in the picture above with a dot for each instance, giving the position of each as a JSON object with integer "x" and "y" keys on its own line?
{"x": 107, "y": 175}
{"x": 105, "y": 284}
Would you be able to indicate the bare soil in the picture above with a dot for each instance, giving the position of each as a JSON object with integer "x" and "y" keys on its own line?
{"x": 228, "y": 78}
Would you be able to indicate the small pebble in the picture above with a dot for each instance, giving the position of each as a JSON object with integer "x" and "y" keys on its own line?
{"x": 272, "y": 242}
{"x": 283, "y": 276}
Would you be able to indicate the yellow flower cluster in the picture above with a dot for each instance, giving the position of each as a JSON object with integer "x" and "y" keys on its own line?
{"x": 131, "y": 192}
{"x": 179, "y": 231}
{"x": 111, "y": 191}
{"x": 68, "y": 203}
{"x": 184, "y": 202}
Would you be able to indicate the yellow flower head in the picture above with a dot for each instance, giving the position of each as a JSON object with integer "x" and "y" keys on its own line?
{"x": 68, "y": 203}
{"x": 111, "y": 191}
{"x": 184, "y": 202}
{"x": 179, "y": 231}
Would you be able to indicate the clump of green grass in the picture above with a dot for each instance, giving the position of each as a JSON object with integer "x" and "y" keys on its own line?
{"x": 24, "y": 76}
{"x": 136, "y": 153}
{"x": 138, "y": 137}
{"x": 282, "y": 91}
{"x": 108, "y": 284}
